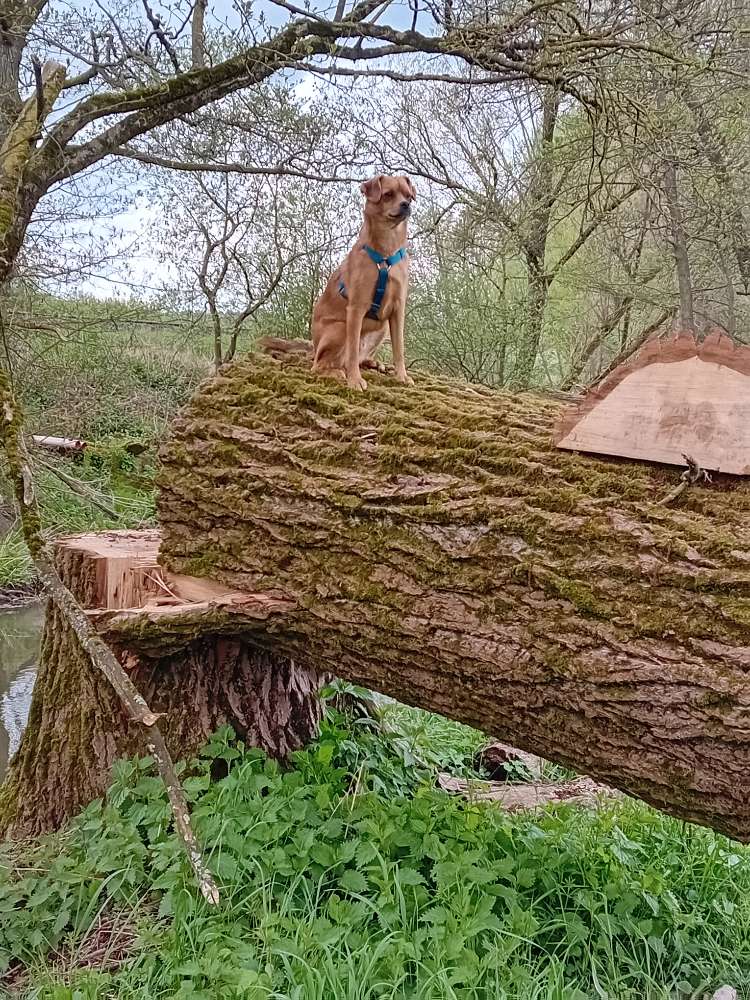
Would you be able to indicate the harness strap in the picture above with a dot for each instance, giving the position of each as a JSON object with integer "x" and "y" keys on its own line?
{"x": 384, "y": 266}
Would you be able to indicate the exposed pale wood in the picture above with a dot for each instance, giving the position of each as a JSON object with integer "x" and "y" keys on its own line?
{"x": 529, "y": 795}
{"x": 675, "y": 397}
{"x": 127, "y": 572}
{"x": 58, "y": 443}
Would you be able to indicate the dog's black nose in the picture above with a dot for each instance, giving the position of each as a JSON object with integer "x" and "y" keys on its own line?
{"x": 405, "y": 206}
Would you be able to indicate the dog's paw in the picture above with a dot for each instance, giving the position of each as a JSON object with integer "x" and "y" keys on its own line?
{"x": 404, "y": 378}
{"x": 357, "y": 383}
{"x": 374, "y": 366}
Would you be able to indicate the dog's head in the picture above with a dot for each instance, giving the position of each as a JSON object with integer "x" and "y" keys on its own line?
{"x": 389, "y": 198}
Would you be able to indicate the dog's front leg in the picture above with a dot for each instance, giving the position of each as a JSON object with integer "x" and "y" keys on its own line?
{"x": 396, "y": 325}
{"x": 354, "y": 317}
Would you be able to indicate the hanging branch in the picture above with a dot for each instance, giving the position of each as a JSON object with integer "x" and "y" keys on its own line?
{"x": 101, "y": 656}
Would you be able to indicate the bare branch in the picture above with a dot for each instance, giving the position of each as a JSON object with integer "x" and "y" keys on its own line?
{"x": 101, "y": 656}
{"x": 206, "y": 166}
{"x": 161, "y": 34}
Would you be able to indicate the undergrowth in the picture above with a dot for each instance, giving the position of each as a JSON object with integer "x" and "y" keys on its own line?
{"x": 112, "y": 383}
{"x": 334, "y": 891}
{"x": 107, "y": 476}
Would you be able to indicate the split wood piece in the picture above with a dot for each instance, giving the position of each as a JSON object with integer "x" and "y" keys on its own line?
{"x": 676, "y": 396}
{"x": 529, "y": 795}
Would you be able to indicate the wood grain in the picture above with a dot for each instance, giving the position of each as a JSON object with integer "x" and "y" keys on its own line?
{"x": 676, "y": 396}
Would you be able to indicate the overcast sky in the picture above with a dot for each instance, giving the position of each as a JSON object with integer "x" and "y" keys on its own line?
{"x": 138, "y": 270}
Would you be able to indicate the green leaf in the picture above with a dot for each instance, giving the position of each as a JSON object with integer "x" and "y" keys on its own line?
{"x": 353, "y": 881}
{"x": 409, "y": 876}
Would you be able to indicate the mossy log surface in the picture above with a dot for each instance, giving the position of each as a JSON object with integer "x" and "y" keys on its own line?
{"x": 432, "y": 544}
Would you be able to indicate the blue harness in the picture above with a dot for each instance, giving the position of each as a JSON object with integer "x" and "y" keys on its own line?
{"x": 384, "y": 266}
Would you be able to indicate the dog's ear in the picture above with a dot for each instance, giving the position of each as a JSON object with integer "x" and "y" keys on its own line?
{"x": 373, "y": 189}
{"x": 412, "y": 189}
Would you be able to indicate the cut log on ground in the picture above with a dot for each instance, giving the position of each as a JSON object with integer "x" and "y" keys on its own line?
{"x": 430, "y": 543}
{"x": 527, "y": 795}
{"x": 58, "y": 443}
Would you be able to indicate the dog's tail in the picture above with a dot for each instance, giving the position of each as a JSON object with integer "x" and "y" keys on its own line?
{"x": 277, "y": 347}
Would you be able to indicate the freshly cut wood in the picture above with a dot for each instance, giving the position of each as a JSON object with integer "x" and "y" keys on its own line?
{"x": 675, "y": 397}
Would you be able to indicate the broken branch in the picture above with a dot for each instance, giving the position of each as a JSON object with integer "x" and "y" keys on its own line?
{"x": 101, "y": 656}
{"x": 692, "y": 475}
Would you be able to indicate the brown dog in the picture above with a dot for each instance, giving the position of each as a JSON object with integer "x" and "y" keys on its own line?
{"x": 366, "y": 297}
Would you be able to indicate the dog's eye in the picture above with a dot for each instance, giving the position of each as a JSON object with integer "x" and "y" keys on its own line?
{"x": 388, "y": 194}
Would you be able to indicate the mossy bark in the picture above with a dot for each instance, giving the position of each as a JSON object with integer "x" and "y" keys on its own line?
{"x": 431, "y": 543}
{"x": 77, "y": 725}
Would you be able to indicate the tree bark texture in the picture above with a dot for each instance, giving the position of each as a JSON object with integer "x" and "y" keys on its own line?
{"x": 78, "y": 728}
{"x": 432, "y": 544}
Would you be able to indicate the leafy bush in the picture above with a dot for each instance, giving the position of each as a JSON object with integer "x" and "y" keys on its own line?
{"x": 330, "y": 892}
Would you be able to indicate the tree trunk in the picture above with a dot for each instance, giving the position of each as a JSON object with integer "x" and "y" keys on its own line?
{"x": 679, "y": 242}
{"x": 541, "y": 198}
{"x": 197, "y": 36}
{"x": 433, "y": 545}
{"x": 536, "y": 306}
{"x": 77, "y": 726}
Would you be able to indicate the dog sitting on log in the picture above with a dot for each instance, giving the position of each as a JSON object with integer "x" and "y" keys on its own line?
{"x": 365, "y": 298}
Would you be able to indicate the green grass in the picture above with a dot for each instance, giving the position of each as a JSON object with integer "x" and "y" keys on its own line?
{"x": 333, "y": 891}
{"x": 111, "y": 384}
{"x": 127, "y": 492}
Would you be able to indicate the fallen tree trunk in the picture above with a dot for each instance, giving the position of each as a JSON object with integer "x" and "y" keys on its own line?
{"x": 432, "y": 544}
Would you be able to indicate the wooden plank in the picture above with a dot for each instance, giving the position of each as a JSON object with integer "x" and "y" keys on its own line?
{"x": 676, "y": 396}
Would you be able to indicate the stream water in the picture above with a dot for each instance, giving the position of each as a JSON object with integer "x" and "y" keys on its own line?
{"x": 20, "y": 632}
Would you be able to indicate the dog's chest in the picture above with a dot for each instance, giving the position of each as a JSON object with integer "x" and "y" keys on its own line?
{"x": 395, "y": 291}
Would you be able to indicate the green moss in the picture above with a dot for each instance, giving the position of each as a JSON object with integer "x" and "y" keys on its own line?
{"x": 736, "y": 610}
{"x": 318, "y": 401}
{"x": 11, "y": 434}
{"x": 580, "y": 596}
{"x": 202, "y": 565}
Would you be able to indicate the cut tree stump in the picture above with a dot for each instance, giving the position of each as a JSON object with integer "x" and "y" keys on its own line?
{"x": 675, "y": 397}
{"x": 433, "y": 544}
{"x": 77, "y": 726}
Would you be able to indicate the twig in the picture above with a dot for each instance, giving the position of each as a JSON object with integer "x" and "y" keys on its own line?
{"x": 692, "y": 475}
{"x": 102, "y": 657}
{"x": 81, "y": 489}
